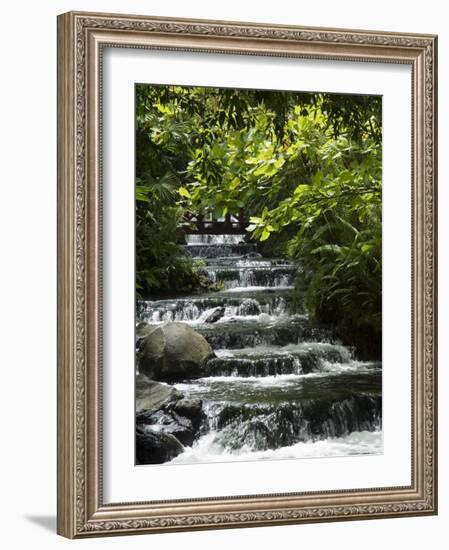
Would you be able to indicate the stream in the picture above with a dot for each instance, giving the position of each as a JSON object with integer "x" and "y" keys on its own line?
{"x": 279, "y": 386}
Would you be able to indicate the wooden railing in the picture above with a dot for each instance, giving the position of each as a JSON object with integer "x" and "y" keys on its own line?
{"x": 228, "y": 225}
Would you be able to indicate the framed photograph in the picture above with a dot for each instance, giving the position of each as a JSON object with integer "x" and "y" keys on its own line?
{"x": 246, "y": 274}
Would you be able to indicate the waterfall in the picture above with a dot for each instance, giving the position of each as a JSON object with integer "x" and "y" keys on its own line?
{"x": 279, "y": 385}
{"x": 272, "y": 426}
{"x": 193, "y": 308}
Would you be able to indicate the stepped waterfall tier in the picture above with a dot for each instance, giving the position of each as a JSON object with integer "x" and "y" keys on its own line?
{"x": 259, "y": 380}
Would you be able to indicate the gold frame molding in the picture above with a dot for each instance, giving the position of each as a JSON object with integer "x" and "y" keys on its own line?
{"x": 81, "y": 37}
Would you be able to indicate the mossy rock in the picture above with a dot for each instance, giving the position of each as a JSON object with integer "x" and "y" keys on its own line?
{"x": 173, "y": 352}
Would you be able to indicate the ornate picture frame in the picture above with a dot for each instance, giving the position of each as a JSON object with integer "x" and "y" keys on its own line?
{"x": 82, "y": 511}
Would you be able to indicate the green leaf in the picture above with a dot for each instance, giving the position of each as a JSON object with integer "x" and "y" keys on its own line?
{"x": 265, "y": 235}
{"x": 142, "y": 193}
{"x": 184, "y": 193}
{"x": 317, "y": 178}
{"x": 330, "y": 248}
{"x": 234, "y": 184}
{"x": 300, "y": 190}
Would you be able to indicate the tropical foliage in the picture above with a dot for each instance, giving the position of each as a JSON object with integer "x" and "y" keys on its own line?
{"x": 304, "y": 168}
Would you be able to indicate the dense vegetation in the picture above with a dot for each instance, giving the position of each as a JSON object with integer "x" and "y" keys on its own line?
{"x": 304, "y": 168}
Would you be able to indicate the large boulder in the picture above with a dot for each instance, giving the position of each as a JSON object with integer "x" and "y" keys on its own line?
{"x": 151, "y": 395}
{"x": 173, "y": 352}
{"x": 153, "y": 447}
{"x": 142, "y": 329}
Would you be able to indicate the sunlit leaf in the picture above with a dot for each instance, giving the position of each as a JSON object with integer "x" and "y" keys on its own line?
{"x": 184, "y": 192}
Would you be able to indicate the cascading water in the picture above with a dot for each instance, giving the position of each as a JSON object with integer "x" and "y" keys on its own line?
{"x": 279, "y": 386}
